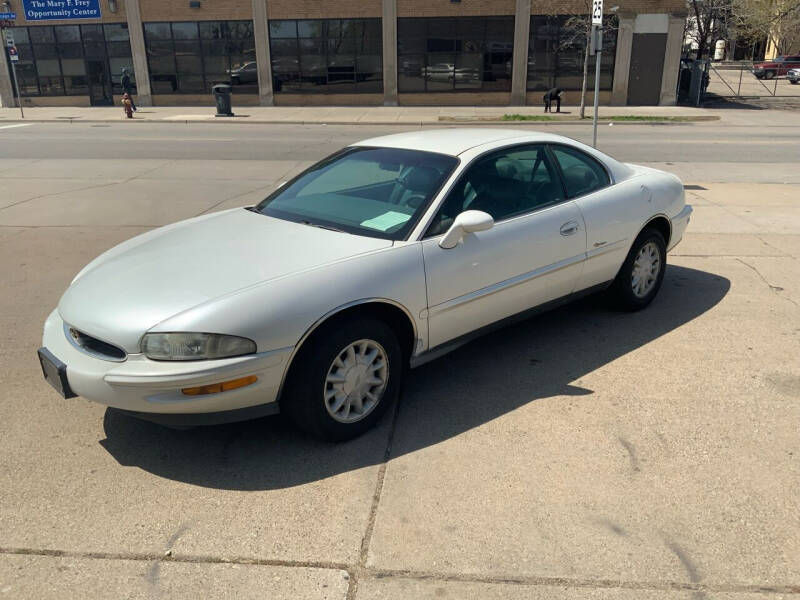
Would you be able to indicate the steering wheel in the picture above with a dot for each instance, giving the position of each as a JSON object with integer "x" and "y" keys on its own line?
{"x": 415, "y": 200}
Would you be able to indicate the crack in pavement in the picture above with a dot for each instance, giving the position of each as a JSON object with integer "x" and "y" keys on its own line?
{"x": 361, "y": 568}
{"x": 773, "y": 288}
{"x": 372, "y": 573}
{"x": 90, "y": 187}
{"x": 766, "y": 243}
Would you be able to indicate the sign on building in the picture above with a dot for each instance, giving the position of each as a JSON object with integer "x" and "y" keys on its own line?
{"x": 597, "y": 12}
{"x": 8, "y": 16}
{"x": 12, "y": 54}
{"x": 47, "y": 10}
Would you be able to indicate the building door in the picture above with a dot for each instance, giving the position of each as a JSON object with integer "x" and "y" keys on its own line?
{"x": 647, "y": 67}
{"x": 99, "y": 78}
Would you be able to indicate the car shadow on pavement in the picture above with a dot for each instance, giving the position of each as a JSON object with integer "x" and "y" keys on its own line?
{"x": 481, "y": 381}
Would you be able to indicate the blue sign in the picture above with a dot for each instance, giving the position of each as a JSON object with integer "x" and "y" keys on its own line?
{"x": 8, "y": 16}
{"x": 47, "y": 10}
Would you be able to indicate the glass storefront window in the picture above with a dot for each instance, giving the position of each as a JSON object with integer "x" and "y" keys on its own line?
{"x": 441, "y": 54}
{"x": 556, "y": 49}
{"x": 327, "y": 56}
{"x": 116, "y": 32}
{"x": 53, "y": 58}
{"x": 189, "y": 58}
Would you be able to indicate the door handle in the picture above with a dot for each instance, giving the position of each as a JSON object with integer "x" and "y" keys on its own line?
{"x": 569, "y": 228}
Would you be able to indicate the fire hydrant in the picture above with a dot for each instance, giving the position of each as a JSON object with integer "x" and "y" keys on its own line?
{"x": 127, "y": 104}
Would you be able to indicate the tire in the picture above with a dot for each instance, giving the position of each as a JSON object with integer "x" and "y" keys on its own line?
{"x": 769, "y": 74}
{"x": 310, "y": 398}
{"x": 628, "y": 291}
{"x": 793, "y": 81}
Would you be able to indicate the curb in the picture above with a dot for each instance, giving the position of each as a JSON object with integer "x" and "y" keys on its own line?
{"x": 440, "y": 123}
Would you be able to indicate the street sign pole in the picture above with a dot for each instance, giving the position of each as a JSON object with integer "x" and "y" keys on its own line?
{"x": 16, "y": 87}
{"x": 9, "y": 44}
{"x": 598, "y": 33}
{"x": 597, "y": 49}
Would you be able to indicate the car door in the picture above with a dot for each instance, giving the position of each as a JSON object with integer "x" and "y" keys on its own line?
{"x": 606, "y": 210}
{"x": 532, "y": 254}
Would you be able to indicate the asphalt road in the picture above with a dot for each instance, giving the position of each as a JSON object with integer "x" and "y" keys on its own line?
{"x": 682, "y": 143}
{"x": 583, "y": 454}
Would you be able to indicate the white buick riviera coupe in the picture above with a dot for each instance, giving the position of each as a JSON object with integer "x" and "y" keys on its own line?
{"x": 380, "y": 257}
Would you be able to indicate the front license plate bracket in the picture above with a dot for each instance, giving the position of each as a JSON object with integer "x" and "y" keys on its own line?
{"x": 55, "y": 373}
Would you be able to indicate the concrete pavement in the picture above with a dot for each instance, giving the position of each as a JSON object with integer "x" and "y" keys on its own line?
{"x": 583, "y": 454}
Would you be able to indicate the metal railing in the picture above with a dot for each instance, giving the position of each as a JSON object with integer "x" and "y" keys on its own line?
{"x": 737, "y": 80}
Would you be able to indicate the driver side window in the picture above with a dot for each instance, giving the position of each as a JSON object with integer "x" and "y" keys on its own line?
{"x": 503, "y": 184}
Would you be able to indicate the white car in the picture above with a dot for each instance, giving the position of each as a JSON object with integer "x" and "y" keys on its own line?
{"x": 382, "y": 256}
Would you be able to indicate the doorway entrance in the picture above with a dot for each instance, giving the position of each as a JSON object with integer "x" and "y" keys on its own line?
{"x": 99, "y": 78}
{"x": 647, "y": 65}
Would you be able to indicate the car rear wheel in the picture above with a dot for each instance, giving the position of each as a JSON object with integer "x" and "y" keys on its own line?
{"x": 344, "y": 378}
{"x": 640, "y": 276}
{"x": 793, "y": 81}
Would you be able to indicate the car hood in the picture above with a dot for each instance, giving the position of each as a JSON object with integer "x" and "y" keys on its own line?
{"x": 150, "y": 278}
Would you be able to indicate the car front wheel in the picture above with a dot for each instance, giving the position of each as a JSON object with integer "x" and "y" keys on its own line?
{"x": 640, "y": 276}
{"x": 344, "y": 378}
{"x": 769, "y": 74}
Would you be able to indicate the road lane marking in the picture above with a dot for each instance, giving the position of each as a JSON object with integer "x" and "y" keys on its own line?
{"x": 20, "y": 125}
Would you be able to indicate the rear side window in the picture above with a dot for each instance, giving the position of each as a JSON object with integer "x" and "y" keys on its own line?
{"x": 582, "y": 174}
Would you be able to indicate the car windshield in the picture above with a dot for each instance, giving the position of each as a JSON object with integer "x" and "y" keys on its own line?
{"x": 375, "y": 192}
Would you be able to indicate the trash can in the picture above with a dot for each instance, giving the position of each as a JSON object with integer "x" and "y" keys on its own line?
{"x": 222, "y": 96}
{"x": 698, "y": 82}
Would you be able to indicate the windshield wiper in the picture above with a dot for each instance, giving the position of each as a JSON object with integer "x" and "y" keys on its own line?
{"x": 328, "y": 227}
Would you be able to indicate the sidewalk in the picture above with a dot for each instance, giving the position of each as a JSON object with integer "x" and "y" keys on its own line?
{"x": 367, "y": 115}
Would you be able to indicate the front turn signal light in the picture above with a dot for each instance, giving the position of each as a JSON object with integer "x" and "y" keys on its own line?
{"x": 216, "y": 388}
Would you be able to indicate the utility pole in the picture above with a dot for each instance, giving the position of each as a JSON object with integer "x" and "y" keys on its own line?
{"x": 597, "y": 51}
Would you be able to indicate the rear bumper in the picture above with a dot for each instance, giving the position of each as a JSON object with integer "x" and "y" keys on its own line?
{"x": 679, "y": 224}
{"x": 142, "y": 386}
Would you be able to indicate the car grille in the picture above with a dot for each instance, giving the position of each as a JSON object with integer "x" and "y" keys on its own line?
{"x": 93, "y": 346}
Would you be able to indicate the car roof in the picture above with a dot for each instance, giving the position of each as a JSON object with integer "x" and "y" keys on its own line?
{"x": 455, "y": 141}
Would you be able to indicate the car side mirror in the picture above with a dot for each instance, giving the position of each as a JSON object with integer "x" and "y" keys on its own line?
{"x": 468, "y": 221}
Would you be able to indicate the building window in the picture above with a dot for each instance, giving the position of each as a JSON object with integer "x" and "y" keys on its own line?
{"x": 189, "y": 58}
{"x": 52, "y": 60}
{"x": 326, "y": 56}
{"x": 454, "y": 54}
{"x": 556, "y": 50}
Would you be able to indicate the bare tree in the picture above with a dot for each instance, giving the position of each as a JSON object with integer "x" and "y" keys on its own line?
{"x": 577, "y": 32}
{"x": 709, "y": 17}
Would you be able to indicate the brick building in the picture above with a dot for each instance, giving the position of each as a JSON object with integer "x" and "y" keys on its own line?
{"x": 342, "y": 52}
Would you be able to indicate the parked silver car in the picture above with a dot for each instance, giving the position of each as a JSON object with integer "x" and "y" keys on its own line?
{"x": 383, "y": 256}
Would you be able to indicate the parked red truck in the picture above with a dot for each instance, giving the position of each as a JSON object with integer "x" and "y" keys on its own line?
{"x": 776, "y": 67}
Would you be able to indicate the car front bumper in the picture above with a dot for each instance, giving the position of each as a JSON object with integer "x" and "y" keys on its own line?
{"x": 152, "y": 389}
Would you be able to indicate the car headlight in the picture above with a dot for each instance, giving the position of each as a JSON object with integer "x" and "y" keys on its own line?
{"x": 194, "y": 346}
